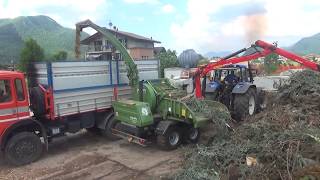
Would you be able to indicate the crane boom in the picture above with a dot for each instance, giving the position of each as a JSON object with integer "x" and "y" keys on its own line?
{"x": 266, "y": 50}
{"x": 132, "y": 70}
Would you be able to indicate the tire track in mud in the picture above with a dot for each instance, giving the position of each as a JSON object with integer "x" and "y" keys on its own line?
{"x": 101, "y": 167}
{"x": 83, "y": 156}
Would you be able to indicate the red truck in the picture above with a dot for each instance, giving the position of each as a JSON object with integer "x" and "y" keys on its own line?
{"x": 64, "y": 97}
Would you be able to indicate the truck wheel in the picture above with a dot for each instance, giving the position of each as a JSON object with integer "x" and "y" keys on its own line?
{"x": 192, "y": 135}
{"x": 170, "y": 140}
{"x": 23, "y": 148}
{"x": 107, "y": 131}
{"x": 244, "y": 105}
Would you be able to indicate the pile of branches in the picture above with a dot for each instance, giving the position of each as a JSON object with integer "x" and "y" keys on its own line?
{"x": 216, "y": 111}
{"x": 283, "y": 142}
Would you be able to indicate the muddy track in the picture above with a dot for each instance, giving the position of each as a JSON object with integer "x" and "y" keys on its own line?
{"x": 86, "y": 156}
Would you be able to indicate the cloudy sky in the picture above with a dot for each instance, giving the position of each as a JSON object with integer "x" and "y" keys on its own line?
{"x": 205, "y": 25}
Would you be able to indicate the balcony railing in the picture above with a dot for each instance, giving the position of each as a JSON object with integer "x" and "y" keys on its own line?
{"x": 107, "y": 47}
{"x": 99, "y": 48}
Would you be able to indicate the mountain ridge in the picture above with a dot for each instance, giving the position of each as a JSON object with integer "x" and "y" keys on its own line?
{"x": 307, "y": 45}
{"x": 49, "y": 34}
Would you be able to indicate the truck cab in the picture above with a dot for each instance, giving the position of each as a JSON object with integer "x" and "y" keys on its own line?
{"x": 14, "y": 100}
{"x": 20, "y": 134}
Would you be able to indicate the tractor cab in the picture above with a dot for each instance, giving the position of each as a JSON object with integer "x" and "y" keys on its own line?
{"x": 224, "y": 83}
{"x": 229, "y": 76}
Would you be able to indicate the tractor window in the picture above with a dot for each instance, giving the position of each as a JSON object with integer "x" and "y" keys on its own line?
{"x": 19, "y": 89}
{"x": 5, "y": 91}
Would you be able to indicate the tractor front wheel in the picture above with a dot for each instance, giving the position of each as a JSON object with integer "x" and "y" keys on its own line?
{"x": 171, "y": 139}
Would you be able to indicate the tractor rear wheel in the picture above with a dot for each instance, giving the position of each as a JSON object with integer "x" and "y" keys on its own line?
{"x": 23, "y": 148}
{"x": 244, "y": 105}
{"x": 171, "y": 139}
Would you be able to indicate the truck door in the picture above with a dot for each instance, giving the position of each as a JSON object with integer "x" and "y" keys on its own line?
{"x": 8, "y": 109}
{"x": 22, "y": 102}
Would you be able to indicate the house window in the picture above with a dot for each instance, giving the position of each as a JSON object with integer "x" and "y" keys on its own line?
{"x": 98, "y": 45}
{"x": 108, "y": 45}
{"x": 145, "y": 57}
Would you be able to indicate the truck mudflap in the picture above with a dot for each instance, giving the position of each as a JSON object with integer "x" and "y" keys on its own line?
{"x": 131, "y": 138}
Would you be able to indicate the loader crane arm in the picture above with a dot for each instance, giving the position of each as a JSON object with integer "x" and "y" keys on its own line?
{"x": 262, "y": 49}
{"x": 132, "y": 70}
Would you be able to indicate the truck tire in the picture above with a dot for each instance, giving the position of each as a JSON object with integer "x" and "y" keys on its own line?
{"x": 107, "y": 131}
{"x": 171, "y": 139}
{"x": 192, "y": 135}
{"x": 37, "y": 101}
{"x": 23, "y": 148}
{"x": 245, "y": 105}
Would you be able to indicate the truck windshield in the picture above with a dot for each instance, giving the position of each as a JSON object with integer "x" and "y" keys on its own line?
{"x": 5, "y": 91}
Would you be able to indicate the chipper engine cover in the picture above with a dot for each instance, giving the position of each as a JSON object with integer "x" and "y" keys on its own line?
{"x": 133, "y": 112}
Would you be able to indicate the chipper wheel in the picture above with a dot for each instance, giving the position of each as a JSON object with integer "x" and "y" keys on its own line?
{"x": 107, "y": 132}
{"x": 192, "y": 135}
{"x": 171, "y": 139}
{"x": 245, "y": 105}
{"x": 23, "y": 148}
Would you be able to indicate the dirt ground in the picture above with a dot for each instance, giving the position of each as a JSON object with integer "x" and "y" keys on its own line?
{"x": 87, "y": 156}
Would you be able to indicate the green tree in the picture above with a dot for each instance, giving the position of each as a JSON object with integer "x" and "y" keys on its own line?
{"x": 61, "y": 55}
{"x": 203, "y": 61}
{"x": 31, "y": 52}
{"x": 167, "y": 59}
{"x": 271, "y": 63}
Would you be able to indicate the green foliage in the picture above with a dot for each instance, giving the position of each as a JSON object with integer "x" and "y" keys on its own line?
{"x": 10, "y": 44}
{"x": 203, "y": 62}
{"x": 257, "y": 61}
{"x": 167, "y": 59}
{"x": 31, "y": 52}
{"x": 61, "y": 55}
{"x": 271, "y": 63}
{"x": 283, "y": 139}
{"x": 51, "y": 36}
